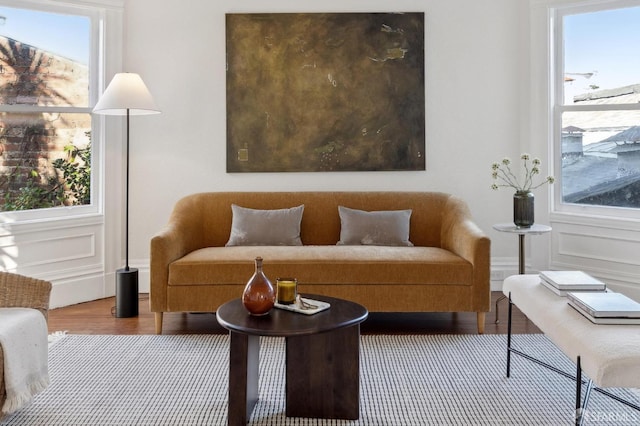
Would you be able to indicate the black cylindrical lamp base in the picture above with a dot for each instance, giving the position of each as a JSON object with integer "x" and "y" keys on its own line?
{"x": 126, "y": 293}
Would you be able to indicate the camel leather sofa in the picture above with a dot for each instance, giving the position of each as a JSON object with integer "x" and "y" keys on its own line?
{"x": 444, "y": 268}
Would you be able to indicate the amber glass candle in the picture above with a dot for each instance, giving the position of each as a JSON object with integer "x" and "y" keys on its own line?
{"x": 286, "y": 290}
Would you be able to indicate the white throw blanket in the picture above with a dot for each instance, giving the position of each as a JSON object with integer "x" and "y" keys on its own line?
{"x": 23, "y": 338}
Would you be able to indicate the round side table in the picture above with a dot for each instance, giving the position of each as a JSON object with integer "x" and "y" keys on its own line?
{"x": 535, "y": 229}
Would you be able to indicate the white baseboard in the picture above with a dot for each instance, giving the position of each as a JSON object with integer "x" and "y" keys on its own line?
{"x": 77, "y": 290}
{"x": 501, "y": 268}
{"x": 82, "y": 288}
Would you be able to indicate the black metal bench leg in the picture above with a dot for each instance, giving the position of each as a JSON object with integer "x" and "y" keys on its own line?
{"x": 581, "y": 407}
{"x": 509, "y": 338}
{"x": 579, "y": 412}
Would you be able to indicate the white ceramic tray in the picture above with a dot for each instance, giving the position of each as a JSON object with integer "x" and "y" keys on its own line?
{"x": 297, "y": 307}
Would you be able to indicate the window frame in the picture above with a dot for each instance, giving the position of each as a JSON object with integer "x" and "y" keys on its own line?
{"x": 95, "y": 12}
{"x": 558, "y": 108}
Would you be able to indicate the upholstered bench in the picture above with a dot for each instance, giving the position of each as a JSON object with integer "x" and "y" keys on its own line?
{"x": 608, "y": 354}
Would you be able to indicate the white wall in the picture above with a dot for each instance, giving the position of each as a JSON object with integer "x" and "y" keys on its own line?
{"x": 487, "y": 91}
{"x": 476, "y": 80}
{"x": 486, "y": 97}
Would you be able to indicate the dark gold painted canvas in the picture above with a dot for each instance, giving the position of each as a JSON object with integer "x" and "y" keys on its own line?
{"x": 325, "y": 92}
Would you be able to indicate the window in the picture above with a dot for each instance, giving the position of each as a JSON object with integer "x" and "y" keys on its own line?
{"x": 46, "y": 84}
{"x": 597, "y": 106}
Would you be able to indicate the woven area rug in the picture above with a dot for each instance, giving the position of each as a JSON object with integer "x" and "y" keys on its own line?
{"x": 405, "y": 380}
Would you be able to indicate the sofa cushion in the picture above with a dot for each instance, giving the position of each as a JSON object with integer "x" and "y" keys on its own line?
{"x": 253, "y": 227}
{"x": 380, "y": 228}
{"x": 323, "y": 265}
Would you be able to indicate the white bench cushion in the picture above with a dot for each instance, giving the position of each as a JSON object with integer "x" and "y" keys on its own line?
{"x": 609, "y": 354}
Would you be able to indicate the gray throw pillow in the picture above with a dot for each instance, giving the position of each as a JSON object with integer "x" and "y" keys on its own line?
{"x": 377, "y": 228}
{"x": 252, "y": 227}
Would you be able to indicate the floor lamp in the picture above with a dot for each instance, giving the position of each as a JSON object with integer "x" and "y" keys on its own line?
{"x": 126, "y": 95}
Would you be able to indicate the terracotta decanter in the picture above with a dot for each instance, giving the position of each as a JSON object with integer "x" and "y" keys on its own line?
{"x": 259, "y": 295}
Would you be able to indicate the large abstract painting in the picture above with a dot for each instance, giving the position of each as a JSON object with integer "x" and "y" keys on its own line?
{"x": 309, "y": 92}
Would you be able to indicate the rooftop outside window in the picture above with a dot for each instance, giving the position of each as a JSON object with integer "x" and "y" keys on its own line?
{"x": 598, "y": 107}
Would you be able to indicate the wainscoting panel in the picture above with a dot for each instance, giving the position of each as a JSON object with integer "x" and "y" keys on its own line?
{"x": 38, "y": 249}
{"x": 608, "y": 252}
{"x": 70, "y": 254}
{"x": 601, "y": 248}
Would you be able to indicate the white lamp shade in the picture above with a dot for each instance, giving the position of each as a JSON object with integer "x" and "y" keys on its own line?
{"x": 126, "y": 91}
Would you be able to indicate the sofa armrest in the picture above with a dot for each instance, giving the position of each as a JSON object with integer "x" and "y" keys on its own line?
{"x": 174, "y": 241}
{"x": 468, "y": 241}
{"x": 462, "y": 236}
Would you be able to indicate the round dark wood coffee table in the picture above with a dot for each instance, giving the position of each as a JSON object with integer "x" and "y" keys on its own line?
{"x": 322, "y": 358}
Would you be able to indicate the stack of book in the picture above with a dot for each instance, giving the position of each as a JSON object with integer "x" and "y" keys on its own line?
{"x": 563, "y": 282}
{"x": 605, "y": 307}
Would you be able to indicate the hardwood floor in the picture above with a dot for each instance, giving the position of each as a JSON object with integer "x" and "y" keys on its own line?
{"x": 96, "y": 318}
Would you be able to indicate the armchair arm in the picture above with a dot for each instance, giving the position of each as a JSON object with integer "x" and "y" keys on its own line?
{"x": 25, "y": 292}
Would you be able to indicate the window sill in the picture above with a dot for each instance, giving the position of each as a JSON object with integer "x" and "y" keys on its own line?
{"x": 12, "y": 222}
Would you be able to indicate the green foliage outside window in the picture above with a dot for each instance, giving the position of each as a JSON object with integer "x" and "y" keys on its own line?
{"x": 69, "y": 185}
{"x": 76, "y": 174}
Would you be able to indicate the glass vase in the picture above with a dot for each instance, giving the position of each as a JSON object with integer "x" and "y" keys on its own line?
{"x": 258, "y": 296}
{"x": 523, "y": 208}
